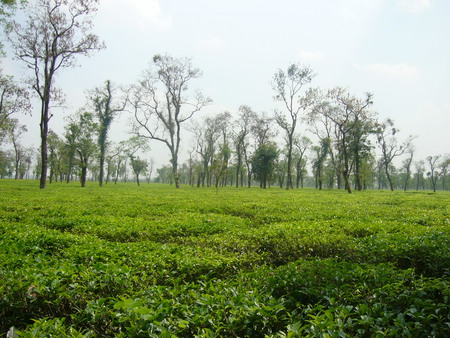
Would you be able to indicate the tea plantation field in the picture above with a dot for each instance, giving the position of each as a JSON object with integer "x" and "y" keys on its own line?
{"x": 128, "y": 261}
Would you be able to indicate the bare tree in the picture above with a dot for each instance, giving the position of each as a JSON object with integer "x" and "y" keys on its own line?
{"x": 287, "y": 86}
{"x": 390, "y": 146}
{"x": 407, "y": 166}
{"x": 434, "y": 173}
{"x": 13, "y": 99}
{"x": 55, "y": 32}
{"x": 160, "y": 107}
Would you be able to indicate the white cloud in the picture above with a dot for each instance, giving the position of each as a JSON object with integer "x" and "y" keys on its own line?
{"x": 311, "y": 56}
{"x": 399, "y": 71}
{"x": 143, "y": 11}
{"x": 414, "y": 5}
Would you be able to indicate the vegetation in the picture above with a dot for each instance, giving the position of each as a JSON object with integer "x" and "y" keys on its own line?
{"x": 154, "y": 261}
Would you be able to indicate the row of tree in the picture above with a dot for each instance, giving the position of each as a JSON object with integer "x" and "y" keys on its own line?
{"x": 268, "y": 149}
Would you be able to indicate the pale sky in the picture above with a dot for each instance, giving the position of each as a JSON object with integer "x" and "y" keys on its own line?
{"x": 399, "y": 50}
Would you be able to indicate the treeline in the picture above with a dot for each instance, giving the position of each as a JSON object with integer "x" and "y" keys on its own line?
{"x": 324, "y": 138}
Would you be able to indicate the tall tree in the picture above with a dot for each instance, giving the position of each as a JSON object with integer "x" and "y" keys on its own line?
{"x": 160, "y": 106}
{"x": 287, "y": 86}
{"x": 106, "y": 107}
{"x": 54, "y": 34}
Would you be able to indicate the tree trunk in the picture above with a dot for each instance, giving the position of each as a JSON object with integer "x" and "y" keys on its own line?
{"x": 391, "y": 185}
{"x": 44, "y": 151}
{"x": 102, "y": 164}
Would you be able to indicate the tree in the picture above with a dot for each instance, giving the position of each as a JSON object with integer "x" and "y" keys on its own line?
{"x": 434, "y": 173}
{"x": 21, "y": 154}
{"x": 263, "y": 163}
{"x": 287, "y": 86}
{"x": 55, "y": 33}
{"x": 321, "y": 152}
{"x": 390, "y": 146}
{"x": 84, "y": 129}
{"x": 407, "y": 167}
{"x": 206, "y": 135}
{"x": 106, "y": 108}
{"x": 301, "y": 145}
{"x": 445, "y": 163}
{"x": 160, "y": 106}
{"x": 132, "y": 146}
{"x": 54, "y": 147}
{"x": 420, "y": 169}
{"x": 350, "y": 122}
{"x": 13, "y": 99}
{"x": 244, "y": 125}
{"x": 138, "y": 166}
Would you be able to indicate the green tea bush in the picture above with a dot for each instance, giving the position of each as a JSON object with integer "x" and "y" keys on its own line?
{"x": 155, "y": 261}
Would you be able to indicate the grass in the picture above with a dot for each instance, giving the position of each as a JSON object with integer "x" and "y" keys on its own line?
{"x": 123, "y": 260}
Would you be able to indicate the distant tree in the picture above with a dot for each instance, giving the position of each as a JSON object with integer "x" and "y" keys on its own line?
{"x": 207, "y": 137}
{"x": 132, "y": 146}
{"x": 445, "y": 163}
{"x": 21, "y": 154}
{"x": 244, "y": 124}
{"x": 351, "y": 122}
{"x": 301, "y": 145}
{"x": 54, "y": 147}
{"x": 13, "y": 99}
{"x": 390, "y": 146}
{"x": 434, "y": 173}
{"x": 160, "y": 107}
{"x": 84, "y": 128}
{"x": 263, "y": 162}
{"x": 406, "y": 164}
{"x": 151, "y": 166}
{"x": 106, "y": 106}
{"x": 55, "y": 32}
{"x": 420, "y": 170}
{"x": 138, "y": 166}
{"x": 321, "y": 153}
{"x": 287, "y": 86}
{"x": 6, "y": 163}
{"x": 262, "y": 133}
{"x": 222, "y": 157}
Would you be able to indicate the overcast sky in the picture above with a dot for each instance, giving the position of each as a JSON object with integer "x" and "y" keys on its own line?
{"x": 399, "y": 50}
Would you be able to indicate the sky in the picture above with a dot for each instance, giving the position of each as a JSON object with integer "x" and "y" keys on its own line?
{"x": 399, "y": 50}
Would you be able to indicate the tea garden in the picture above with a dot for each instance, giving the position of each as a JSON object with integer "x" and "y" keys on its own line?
{"x": 127, "y": 261}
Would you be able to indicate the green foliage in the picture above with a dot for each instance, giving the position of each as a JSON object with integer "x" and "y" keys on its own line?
{"x": 121, "y": 261}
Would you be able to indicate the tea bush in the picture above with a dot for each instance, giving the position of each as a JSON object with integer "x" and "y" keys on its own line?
{"x": 146, "y": 261}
